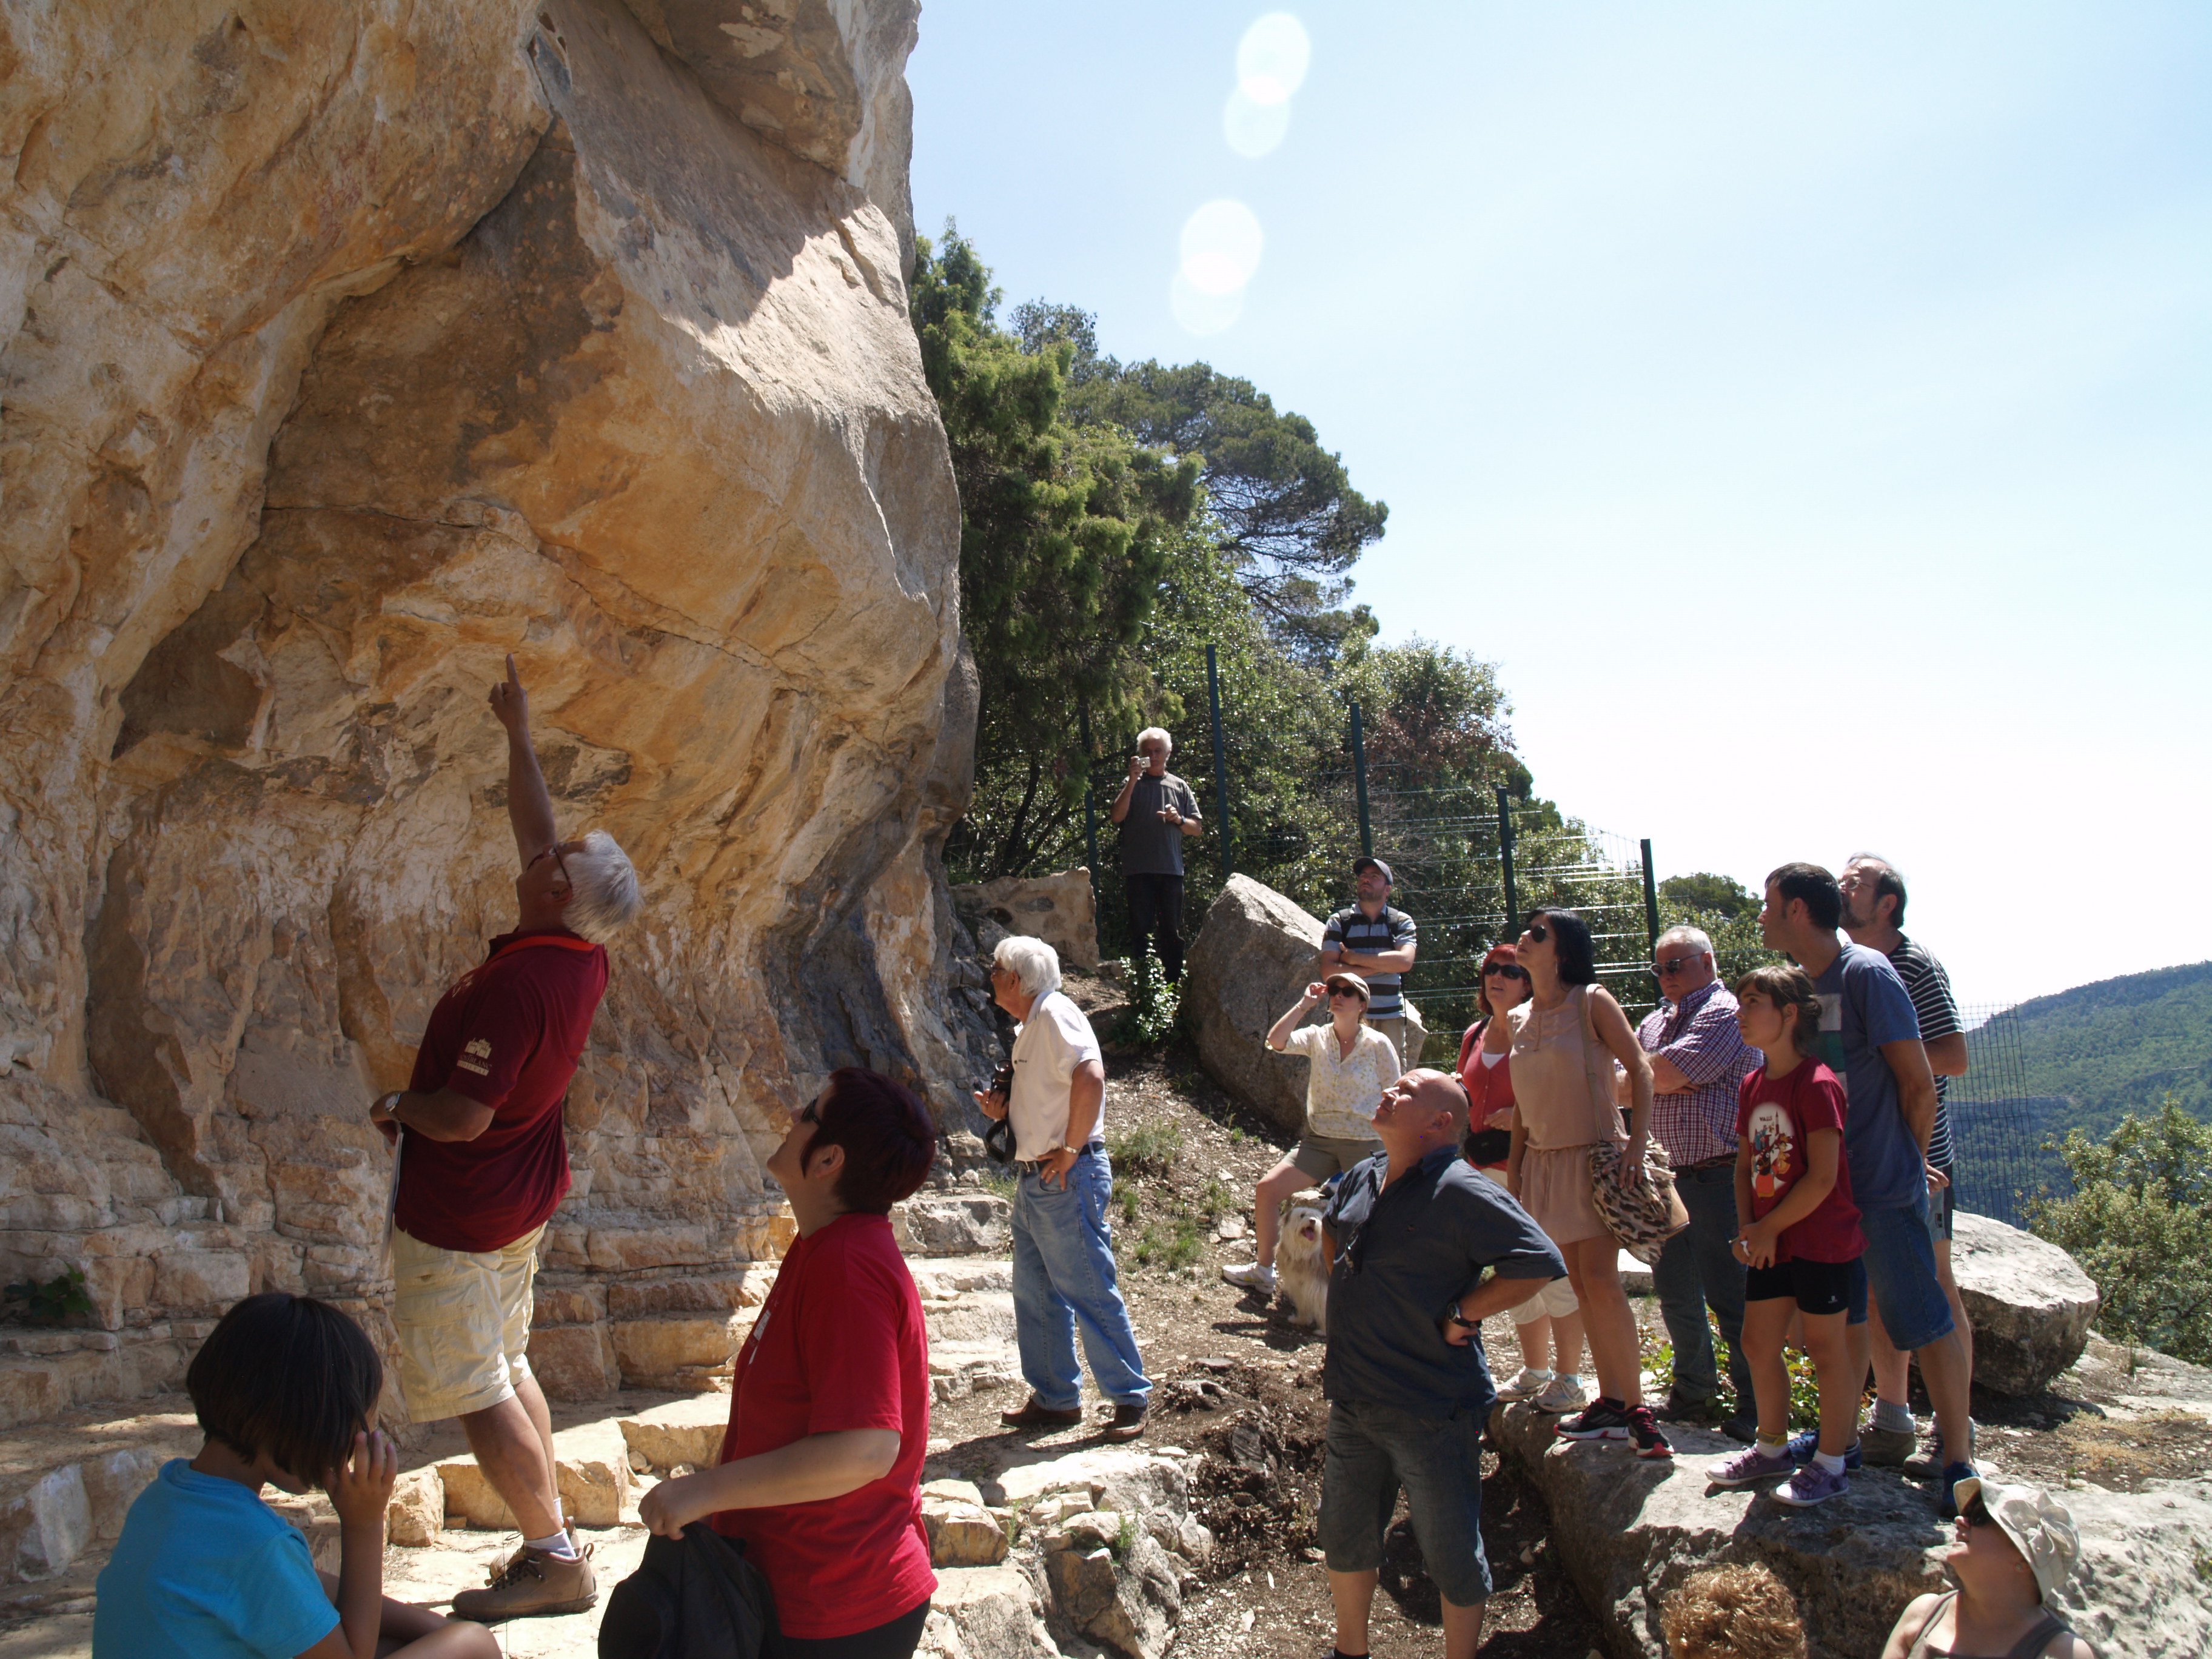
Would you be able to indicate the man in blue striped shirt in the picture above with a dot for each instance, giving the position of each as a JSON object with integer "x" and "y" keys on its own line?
{"x": 1874, "y": 914}
{"x": 1377, "y": 943}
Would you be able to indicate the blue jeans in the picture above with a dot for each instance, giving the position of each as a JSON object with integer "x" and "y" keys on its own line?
{"x": 1698, "y": 1269}
{"x": 1371, "y": 1450}
{"x": 1063, "y": 1279}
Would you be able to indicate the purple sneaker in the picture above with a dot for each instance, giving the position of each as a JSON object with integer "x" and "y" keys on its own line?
{"x": 1749, "y": 1467}
{"x": 1809, "y": 1485}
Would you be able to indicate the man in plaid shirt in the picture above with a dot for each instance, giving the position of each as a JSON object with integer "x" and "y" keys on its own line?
{"x": 1698, "y": 1058}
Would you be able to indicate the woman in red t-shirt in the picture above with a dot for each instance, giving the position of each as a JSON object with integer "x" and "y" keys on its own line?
{"x": 1801, "y": 1244}
{"x": 821, "y": 1469}
{"x": 1552, "y": 1319}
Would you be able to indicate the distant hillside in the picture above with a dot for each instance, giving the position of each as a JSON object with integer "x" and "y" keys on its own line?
{"x": 2105, "y": 1049}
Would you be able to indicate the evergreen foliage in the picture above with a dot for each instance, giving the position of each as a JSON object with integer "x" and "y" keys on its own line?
{"x": 2117, "y": 1046}
{"x": 1728, "y": 913}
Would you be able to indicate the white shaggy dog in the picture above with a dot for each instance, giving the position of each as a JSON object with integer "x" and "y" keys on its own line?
{"x": 1302, "y": 1263}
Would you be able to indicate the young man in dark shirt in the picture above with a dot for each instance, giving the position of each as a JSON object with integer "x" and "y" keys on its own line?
{"x": 1412, "y": 1232}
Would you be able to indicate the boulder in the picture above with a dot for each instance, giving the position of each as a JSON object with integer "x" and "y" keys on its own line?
{"x": 986, "y": 1612}
{"x": 962, "y": 1534}
{"x": 963, "y": 1224}
{"x": 1132, "y": 1604}
{"x": 1631, "y": 1531}
{"x": 417, "y": 1512}
{"x": 1061, "y": 910}
{"x": 683, "y": 1431}
{"x": 1254, "y": 957}
{"x": 2031, "y": 1303}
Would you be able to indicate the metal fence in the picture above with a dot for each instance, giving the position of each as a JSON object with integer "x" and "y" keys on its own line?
{"x": 2000, "y": 1128}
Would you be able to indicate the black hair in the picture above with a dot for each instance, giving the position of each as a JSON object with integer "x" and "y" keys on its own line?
{"x": 1824, "y": 900}
{"x": 1886, "y": 884}
{"x": 289, "y": 1375}
{"x": 1576, "y": 950}
{"x": 889, "y": 1140}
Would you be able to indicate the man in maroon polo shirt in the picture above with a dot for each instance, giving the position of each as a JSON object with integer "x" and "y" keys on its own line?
{"x": 483, "y": 1163}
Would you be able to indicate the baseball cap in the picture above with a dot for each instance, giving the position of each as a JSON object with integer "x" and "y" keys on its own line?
{"x": 2040, "y": 1526}
{"x": 1377, "y": 865}
{"x": 1350, "y": 981}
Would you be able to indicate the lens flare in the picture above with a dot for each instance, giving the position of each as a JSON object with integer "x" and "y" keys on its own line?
{"x": 1221, "y": 245}
{"x": 1202, "y": 312}
{"x": 1254, "y": 130}
{"x": 1272, "y": 57}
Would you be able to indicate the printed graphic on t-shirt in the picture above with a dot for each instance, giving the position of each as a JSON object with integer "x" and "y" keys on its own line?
{"x": 475, "y": 1057}
{"x": 1774, "y": 1160}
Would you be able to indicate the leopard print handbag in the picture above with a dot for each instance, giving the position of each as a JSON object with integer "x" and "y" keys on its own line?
{"x": 1645, "y": 1214}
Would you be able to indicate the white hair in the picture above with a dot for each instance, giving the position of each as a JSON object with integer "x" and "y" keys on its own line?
{"x": 1034, "y": 964}
{"x": 1692, "y": 936}
{"x": 1156, "y": 731}
{"x": 604, "y": 884}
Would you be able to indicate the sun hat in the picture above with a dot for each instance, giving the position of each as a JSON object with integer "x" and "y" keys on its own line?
{"x": 1351, "y": 982}
{"x": 2040, "y": 1526}
{"x": 1379, "y": 868}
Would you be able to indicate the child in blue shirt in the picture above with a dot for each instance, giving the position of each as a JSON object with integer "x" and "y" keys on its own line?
{"x": 285, "y": 1388}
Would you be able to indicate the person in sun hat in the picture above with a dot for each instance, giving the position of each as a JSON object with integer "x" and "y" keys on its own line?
{"x": 1377, "y": 943}
{"x": 2016, "y": 1547}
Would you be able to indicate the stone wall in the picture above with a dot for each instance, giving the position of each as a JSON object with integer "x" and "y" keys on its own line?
{"x": 350, "y": 345}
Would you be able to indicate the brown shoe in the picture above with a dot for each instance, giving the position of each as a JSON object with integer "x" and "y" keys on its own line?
{"x": 1036, "y": 1416}
{"x": 1126, "y": 1423}
{"x": 532, "y": 1585}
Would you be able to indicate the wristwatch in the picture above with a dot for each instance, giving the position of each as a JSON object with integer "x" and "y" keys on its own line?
{"x": 1453, "y": 1316}
{"x": 389, "y": 1101}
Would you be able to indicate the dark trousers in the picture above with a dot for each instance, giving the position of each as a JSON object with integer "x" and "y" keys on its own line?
{"x": 1155, "y": 913}
{"x": 894, "y": 1639}
{"x": 1698, "y": 1270}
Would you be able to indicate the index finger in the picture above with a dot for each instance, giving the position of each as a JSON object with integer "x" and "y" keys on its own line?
{"x": 512, "y": 678}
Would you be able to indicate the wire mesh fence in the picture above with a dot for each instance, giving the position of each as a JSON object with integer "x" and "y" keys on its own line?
{"x": 1999, "y": 1127}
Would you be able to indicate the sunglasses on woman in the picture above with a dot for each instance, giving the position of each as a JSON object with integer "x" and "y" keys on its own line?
{"x": 1976, "y": 1513}
{"x": 1506, "y": 971}
{"x": 1537, "y": 931}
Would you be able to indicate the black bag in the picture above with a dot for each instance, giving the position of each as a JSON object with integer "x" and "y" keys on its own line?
{"x": 693, "y": 1597}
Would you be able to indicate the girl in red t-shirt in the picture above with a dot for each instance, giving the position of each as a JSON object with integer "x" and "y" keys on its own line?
{"x": 1798, "y": 1237}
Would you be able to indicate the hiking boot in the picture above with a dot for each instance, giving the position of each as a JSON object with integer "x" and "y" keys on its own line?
{"x": 1527, "y": 1386}
{"x": 1643, "y": 1429}
{"x": 1749, "y": 1467}
{"x": 1602, "y": 1420}
{"x": 1559, "y": 1396}
{"x": 1809, "y": 1485}
{"x": 1886, "y": 1448}
{"x": 1685, "y": 1408}
{"x": 1126, "y": 1423}
{"x": 1252, "y": 1276}
{"x": 1803, "y": 1446}
{"x": 532, "y": 1584}
{"x": 1927, "y": 1462}
{"x": 1035, "y": 1415}
{"x": 1740, "y": 1428}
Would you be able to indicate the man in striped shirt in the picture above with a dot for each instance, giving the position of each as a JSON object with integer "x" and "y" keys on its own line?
{"x": 1874, "y": 914}
{"x": 1377, "y": 943}
{"x": 1698, "y": 1059}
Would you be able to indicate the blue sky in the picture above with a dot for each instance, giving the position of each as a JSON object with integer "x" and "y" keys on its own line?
{"x": 1807, "y": 407}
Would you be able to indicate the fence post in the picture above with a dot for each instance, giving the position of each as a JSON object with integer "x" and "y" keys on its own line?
{"x": 1359, "y": 783}
{"x": 1090, "y": 807}
{"x": 1651, "y": 907}
{"x": 1220, "y": 765}
{"x": 1505, "y": 860}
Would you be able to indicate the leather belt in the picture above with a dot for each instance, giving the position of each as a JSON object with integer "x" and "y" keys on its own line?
{"x": 1031, "y": 1165}
{"x": 1709, "y": 1164}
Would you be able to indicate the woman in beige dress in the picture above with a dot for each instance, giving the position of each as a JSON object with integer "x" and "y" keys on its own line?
{"x": 1563, "y": 1041}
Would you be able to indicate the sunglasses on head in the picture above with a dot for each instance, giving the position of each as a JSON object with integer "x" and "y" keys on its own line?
{"x": 1508, "y": 969}
{"x": 808, "y": 1115}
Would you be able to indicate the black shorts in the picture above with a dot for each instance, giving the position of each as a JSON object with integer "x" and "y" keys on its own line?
{"x": 1820, "y": 1287}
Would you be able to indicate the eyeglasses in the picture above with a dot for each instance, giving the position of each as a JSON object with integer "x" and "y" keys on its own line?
{"x": 554, "y": 853}
{"x": 1976, "y": 1513}
{"x": 1537, "y": 931}
{"x": 1672, "y": 965}
{"x": 808, "y": 1115}
{"x": 1505, "y": 971}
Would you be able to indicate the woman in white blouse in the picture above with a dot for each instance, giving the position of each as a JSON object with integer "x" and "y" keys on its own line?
{"x": 1349, "y": 1064}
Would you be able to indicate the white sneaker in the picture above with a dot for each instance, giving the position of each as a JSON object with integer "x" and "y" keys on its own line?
{"x": 1561, "y": 1396}
{"x": 1253, "y": 1276}
{"x": 1529, "y": 1383}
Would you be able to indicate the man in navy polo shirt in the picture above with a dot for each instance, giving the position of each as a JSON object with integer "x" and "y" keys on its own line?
{"x": 483, "y": 1163}
{"x": 1377, "y": 943}
{"x": 1412, "y": 1232}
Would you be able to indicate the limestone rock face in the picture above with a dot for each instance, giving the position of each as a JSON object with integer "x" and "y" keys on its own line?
{"x": 349, "y": 347}
{"x": 2031, "y": 1303}
{"x": 1061, "y": 910}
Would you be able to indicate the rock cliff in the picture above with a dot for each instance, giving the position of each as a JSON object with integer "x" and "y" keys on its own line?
{"x": 350, "y": 345}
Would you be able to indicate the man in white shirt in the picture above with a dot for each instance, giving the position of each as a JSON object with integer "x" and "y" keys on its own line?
{"x": 1064, "y": 1275}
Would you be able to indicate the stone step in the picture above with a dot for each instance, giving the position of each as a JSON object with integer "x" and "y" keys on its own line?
{"x": 65, "y": 1484}
{"x": 45, "y": 1373}
{"x": 969, "y": 1221}
{"x": 598, "y": 1488}
{"x": 683, "y": 1431}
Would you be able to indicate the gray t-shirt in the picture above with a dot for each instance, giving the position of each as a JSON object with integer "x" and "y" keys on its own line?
{"x": 1150, "y": 847}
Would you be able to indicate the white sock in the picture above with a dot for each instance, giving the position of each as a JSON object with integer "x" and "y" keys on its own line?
{"x": 559, "y": 1545}
{"x": 1833, "y": 1465}
{"x": 1888, "y": 1415}
{"x": 1772, "y": 1448}
{"x": 1537, "y": 1374}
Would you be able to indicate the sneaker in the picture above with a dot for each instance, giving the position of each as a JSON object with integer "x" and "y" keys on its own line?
{"x": 1749, "y": 1467}
{"x": 1803, "y": 1446}
{"x": 1126, "y": 1423}
{"x": 1643, "y": 1429}
{"x": 1927, "y": 1462}
{"x": 1947, "y": 1495}
{"x": 1253, "y": 1276}
{"x": 1603, "y": 1420}
{"x": 531, "y": 1585}
{"x": 1559, "y": 1396}
{"x": 1886, "y": 1448}
{"x": 1036, "y": 1416}
{"x": 1527, "y": 1386}
{"x": 1809, "y": 1485}
{"x": 1741, "y": 1430}
{"x": 1684, "y": 1408}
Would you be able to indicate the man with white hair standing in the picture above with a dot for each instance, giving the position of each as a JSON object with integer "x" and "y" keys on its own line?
{"x": 1156, "y": 811}
{"x": 1699, "y": 1060}
{"x": 483, "y": 1163}
{"x": 1063, "y": 1276}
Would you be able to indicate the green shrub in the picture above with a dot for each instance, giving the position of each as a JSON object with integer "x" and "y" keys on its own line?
{"x": 1149, "y": 1149}
{"x": 1154, "y": 1005}
{"x": 49, "y": 1302}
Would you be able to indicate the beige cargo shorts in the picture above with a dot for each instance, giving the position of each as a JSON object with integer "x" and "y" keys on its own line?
{"x": 463, "y": 1322}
